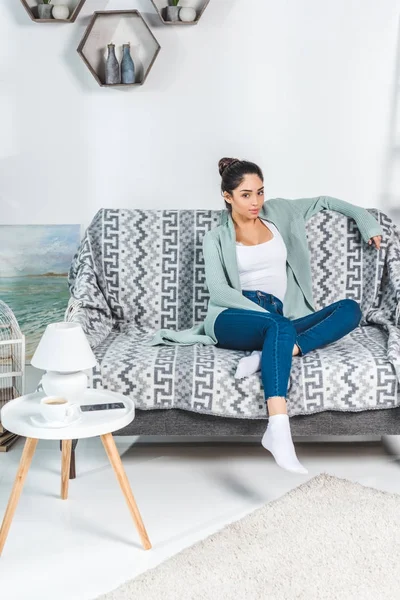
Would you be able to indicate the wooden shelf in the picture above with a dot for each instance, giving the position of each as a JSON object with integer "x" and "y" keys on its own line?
{"x": 75, "y": 6}
{"x": 198, "y": 5}
{"x": 118, "y": 27}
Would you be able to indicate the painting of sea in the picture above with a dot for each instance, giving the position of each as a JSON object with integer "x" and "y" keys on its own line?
{"x": 34, "y": 265}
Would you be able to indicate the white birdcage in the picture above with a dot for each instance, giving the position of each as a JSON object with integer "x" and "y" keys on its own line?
{"x": 12, "y": 356}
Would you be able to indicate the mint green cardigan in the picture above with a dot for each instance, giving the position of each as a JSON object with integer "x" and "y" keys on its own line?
{"x": 222, "y": 276}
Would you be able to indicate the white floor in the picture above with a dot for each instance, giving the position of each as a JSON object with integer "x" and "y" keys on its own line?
{"x": 79, "y": 548}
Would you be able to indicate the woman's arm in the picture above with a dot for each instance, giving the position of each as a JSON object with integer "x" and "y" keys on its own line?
{"x": 366, "y": 222}
{"x": 221, "y": 293}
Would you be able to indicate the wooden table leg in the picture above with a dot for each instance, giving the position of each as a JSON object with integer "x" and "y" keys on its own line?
{"x": 65, "y": 465}
{"x": 116, "y": 463}
{"x": 24, "y": 464}
{"x": 72, "y": 471}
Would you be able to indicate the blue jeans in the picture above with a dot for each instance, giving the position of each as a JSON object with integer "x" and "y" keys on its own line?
{"x": 275, "y": 335}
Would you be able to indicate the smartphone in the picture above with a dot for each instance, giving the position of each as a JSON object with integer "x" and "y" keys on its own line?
{"x": 107, "y": 406}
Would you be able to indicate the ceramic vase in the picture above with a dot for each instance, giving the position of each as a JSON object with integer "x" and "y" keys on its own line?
{"x": 60, "y": 11}
{"x": 187, "y": 14}
{"x": 127, "y": 65}
{"x": 113, "y": 74}
{"x": 44, "y": 11}
{"x": 172, "y": 13}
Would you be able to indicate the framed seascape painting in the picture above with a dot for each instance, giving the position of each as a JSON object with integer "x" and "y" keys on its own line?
{"x": 34, "y": 265}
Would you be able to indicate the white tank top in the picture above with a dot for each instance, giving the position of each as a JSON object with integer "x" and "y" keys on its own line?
{"x": 263, "y": 266}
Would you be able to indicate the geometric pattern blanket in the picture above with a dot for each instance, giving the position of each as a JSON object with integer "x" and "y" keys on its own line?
{"x": 140, "y": 270}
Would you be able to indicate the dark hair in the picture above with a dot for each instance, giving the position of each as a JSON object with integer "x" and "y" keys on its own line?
{"x": 232, "y": 171}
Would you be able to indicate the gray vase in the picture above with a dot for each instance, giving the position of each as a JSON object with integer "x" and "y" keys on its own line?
{"x": 172, "y": 13}
{"x": 127, "y": 65}
{"x": 113, "y": 74}
{"x": 44, "y": 11}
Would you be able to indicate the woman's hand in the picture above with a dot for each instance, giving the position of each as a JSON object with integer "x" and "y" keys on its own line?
{"x": 377, "y": 240}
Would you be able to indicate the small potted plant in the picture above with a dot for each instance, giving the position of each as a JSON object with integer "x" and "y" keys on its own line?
{"x": 45, "y": 9}
{"x": 172, "y": 11}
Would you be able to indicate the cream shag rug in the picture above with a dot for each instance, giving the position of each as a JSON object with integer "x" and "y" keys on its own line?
{"x": 327, "y": 539}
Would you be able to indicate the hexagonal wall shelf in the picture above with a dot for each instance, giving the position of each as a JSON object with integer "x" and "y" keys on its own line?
{"x": 198, "y": 5}
{"x": 118, "y": 27}
{"x": 75, "y": 6}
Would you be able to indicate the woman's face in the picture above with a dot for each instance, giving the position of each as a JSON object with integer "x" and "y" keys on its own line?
{"x": 247, "y": 199}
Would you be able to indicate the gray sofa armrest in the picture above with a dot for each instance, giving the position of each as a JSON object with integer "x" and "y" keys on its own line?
{"x": 95, "y": 323}
{"x": 87, "y": 304}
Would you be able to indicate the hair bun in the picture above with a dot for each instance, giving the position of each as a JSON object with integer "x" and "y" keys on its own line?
{"x": 226, "y": 162}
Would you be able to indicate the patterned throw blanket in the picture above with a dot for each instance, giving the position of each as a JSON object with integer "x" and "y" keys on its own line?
{"x": 140, "y": 270}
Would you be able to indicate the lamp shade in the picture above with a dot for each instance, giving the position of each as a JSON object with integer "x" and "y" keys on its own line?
{"x": 64, "y": 348}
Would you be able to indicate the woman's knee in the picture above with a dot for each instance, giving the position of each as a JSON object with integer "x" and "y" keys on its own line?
{"x": 353, "y": 310}
{"x": 283, "y": 325}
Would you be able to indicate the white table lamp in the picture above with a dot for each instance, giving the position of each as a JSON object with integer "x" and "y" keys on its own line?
{"x": 64, "y": 352}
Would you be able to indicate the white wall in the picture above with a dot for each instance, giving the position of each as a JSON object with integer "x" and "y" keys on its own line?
{"x": 306, "y": 88}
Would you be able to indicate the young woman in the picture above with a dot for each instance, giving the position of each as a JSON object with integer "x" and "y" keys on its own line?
{"x": 271, "y": 269}
{"x": 258, "y": 274}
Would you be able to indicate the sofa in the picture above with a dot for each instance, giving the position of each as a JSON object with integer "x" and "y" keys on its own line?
{"x": 139, "y": 270}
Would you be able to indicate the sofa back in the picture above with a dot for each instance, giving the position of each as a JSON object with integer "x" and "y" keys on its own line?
{"x": 150, "y": 268}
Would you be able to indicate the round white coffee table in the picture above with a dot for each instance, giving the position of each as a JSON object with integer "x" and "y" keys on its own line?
{"x": 16, "y": 418}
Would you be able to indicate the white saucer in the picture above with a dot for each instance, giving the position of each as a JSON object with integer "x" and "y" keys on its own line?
{"x": 40, "y": 421}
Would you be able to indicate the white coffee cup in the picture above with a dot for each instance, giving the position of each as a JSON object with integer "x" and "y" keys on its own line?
{"x": 57, "y": 408}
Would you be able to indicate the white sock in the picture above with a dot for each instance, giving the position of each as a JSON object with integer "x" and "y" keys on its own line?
{"x": 278, "y": 440}
{"x": 248, "y": 365}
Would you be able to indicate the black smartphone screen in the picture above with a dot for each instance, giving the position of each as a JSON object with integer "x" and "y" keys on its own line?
{"x": 107, "y": 406}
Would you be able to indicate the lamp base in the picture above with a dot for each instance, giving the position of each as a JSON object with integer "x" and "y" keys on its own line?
{"x": 71, "y": 386}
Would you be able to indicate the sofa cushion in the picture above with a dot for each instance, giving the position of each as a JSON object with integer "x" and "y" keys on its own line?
{"x": 351, "y": 374}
